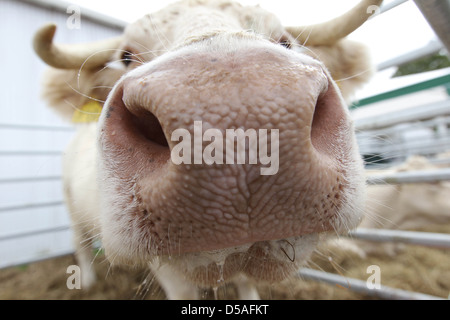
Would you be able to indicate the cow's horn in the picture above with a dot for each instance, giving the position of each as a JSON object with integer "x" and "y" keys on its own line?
{"x": 72, "y": 56}
{"x": 331, "y": 31}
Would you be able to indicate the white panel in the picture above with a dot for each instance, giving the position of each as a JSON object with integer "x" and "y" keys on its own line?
{"x": 15, "y": 166}
{"x": 38, "y": 247}
{"x": 17, "y": 194}
{"x": 33, "y": 140}
{"x": 32, "y": 153}
{"x": 17, "y": 222}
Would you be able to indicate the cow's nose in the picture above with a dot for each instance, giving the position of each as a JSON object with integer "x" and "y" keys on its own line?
{"x": 189, "y": 200}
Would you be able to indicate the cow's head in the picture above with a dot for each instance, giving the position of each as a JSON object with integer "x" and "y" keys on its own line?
{"x": 200, "y": 65}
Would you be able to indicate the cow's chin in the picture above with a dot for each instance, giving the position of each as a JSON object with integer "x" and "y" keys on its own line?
{"x": 268, "y": 261}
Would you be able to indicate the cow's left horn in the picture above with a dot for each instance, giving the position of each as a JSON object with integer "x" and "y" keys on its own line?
{"x": 331, "y": 31}
{"x": 72, "y": 56}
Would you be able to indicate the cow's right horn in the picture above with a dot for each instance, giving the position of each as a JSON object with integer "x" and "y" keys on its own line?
{"x": 72, "y": 56}
{"x": 329, "y": 32}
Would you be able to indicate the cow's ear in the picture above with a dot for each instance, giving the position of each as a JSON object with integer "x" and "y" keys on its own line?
{"x": 348, "y": 62}
{"x": 61, "y": 91}
{"x": 69, "y": 91}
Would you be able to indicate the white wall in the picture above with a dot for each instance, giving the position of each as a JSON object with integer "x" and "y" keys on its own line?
{"x": 32, "y": 137}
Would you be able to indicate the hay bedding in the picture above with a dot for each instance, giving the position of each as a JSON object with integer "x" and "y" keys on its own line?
{"x": 414, "y": 268}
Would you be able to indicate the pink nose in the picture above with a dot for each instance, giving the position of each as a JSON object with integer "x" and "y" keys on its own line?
{"x": 169, "y": 174}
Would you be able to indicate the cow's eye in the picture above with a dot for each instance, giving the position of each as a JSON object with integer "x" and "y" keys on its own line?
{"x": 126, "y": 58}
{"x": 285, "y": 43}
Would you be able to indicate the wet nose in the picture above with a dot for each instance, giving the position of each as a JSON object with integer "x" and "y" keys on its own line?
{"x": 219, "y": 149}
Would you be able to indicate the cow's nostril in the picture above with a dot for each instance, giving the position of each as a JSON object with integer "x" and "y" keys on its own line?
{"x": 131, "y": 127}
{"x": 327, "y": 122}
{"x": 148, "y": 125}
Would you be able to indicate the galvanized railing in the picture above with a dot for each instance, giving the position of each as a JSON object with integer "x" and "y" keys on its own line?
{"x": 429, "y": 239}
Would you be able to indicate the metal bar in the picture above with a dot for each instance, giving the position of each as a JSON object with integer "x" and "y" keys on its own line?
{"x": 422, "y": 146}
{"x": 360, "y": 286}
{"x": 33, "y": 233}
{"x": 390, "y": 151}
{"x": 422, "y": 112}
{"x": 429, "y": 239}
{"x": 437, "y": 13}
{"x": 432, "y": 47}
{"x": 444, "y": 161}
{"x": 29, "y": 179}
{"x": 31, "y": 206}
{"x": 410, "y": 177}
{"x": 391, "y": 5}
{"x": 424, "y": 85}
{"x": 442, "y": 118}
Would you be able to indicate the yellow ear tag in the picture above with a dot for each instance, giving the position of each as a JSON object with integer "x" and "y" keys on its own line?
{"x": 90, "y": 112}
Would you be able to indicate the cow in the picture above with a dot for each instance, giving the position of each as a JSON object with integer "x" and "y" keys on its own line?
{"x": 199, "y": 69}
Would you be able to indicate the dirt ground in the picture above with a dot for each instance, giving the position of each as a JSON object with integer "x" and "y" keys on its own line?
{"x": 414, "y": 268}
